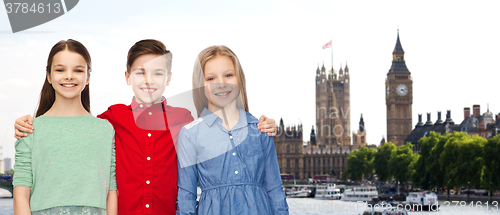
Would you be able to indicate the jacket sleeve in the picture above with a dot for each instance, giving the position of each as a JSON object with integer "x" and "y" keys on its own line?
{"x": 272, "y": 178}
{"x": 187, "y": 178}
{"x": 23, "y": 175}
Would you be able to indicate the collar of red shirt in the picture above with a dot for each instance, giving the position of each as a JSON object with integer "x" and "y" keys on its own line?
{"x": 137, "y": 106}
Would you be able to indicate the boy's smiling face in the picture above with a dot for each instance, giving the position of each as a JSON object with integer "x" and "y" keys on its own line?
{"x": 148, "y": 76}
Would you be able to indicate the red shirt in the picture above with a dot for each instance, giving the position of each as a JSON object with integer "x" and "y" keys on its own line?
{"x": 146, "y": 161}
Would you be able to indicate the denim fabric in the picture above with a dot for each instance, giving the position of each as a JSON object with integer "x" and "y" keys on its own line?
{"x": 237, "y": 170}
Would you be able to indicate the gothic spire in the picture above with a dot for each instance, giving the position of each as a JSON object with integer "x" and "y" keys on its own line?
{"x": 398, "y": 48}
{"x": 361, "y": 124}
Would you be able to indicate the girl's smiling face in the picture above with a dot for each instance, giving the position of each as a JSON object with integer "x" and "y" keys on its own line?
{"x": 68, "y": 74}
{"x": 221, "y": 83}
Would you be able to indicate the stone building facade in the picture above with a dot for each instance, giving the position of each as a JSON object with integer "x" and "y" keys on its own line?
{"x": 330, "y": 143}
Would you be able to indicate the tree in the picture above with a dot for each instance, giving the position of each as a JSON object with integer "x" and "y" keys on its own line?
{"x": 360, "y": 163}
{"x": 381, "y": 161}
{"x": 399, "y": 163}
{"x": 412, "y": 167}
{"x": 491, "y": 170}
{"x": 421, "y": 176}
{"x": 434, "y": 168}
{"x": 462, "y": 159}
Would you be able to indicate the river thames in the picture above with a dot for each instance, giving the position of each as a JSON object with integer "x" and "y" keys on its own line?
{"x": 310, "y": 206}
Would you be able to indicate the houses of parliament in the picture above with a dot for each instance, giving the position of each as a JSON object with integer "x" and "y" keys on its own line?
{"x": 330, "y": 140}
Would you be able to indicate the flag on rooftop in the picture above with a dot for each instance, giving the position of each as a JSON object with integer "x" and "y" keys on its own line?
{"x": 327, "y": 45}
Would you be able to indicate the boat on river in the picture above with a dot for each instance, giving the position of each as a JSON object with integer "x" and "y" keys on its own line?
{"x": 359, "y": 193}
{"x": 327, "y": 191}
{"x": 299, "y": 191}
{"x": 427, "y": 200}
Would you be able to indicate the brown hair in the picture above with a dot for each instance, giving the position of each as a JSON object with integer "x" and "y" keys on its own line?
{"x": 200, "y": 100}
{"x": 48, "y": 94}
{"x": 148, "y": 46}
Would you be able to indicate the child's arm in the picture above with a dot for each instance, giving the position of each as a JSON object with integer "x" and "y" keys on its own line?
{"x": 23, "y": 126}
{"x": 23, "y": 178}
{"x": 267, "y": 125}
{"x": 22, "y": 200}
{"x": 187, "y": 179}
{"x": 272, "y": 178}
{"x": 112, "y": 203}
{"x": 112, "y": 199}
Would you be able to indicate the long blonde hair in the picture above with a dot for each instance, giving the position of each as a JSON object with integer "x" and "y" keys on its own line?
{"x": 200, "y": 100}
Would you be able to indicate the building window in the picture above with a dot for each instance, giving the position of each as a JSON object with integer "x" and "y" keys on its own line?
{"x": 296, "y": 148}
{"x": 297, "y": 163}
{"x": 362, "y": 139}
{"x": 288, "y": 163}
{"x": 287, "y": 148}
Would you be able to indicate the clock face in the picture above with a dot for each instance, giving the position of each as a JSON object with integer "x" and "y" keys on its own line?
{"x": 402, "y": 90}
{"x": 387, "y": 90}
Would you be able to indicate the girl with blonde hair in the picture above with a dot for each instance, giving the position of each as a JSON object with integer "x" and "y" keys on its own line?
{"x": 235, "y": 165}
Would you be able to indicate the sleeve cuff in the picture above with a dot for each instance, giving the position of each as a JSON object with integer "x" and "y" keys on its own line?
{"x": 281, "y": 213}
{"x": 186, "y": 207}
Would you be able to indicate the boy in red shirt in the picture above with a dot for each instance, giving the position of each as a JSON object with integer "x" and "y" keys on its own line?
{"x": 146, "y": 130}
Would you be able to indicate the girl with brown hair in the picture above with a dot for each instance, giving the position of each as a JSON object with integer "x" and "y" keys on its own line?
{"x": 67, "y": 165}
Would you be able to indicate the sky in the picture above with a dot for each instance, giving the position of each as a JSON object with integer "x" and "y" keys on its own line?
{"x": 451, "y": 49}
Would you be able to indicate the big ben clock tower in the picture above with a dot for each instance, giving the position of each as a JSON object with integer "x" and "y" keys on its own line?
{"x": 398, "y": 98}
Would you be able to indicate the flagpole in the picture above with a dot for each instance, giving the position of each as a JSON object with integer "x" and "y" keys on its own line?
{"x": 331, "y": 47}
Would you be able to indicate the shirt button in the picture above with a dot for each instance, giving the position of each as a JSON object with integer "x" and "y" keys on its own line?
{"x": 140, "y": 105}
{"x": 234, "y": 153}
{"x": 148, "y": 158}
{"x": 149, "y": 134}
{"x": 236, "y": 172}
{"x": 150, "y": 113}
{"x": 148, "y": 182}
{"x": 147, "y": 205}
{"x": 231, "y": 137}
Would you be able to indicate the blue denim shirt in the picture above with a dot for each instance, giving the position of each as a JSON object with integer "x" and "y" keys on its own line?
{"x": 237, "y": 170}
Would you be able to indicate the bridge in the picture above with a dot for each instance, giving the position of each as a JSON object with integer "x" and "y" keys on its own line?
{"x": 7, "y": 185}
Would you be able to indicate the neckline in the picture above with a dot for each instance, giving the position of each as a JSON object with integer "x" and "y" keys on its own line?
{"x": 65, "y": 116}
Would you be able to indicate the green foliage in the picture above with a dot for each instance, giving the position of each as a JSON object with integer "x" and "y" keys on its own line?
{"x": 434, "y": 167}
{"x": 360, "y": 163}
{"x": 491, "y": 170}
{"x": 462, "y": 159}
{"x": 456, "y": 158}
{"x": 411, "y": 168}
{"x": 420, "y": 175}
{"x": 399, "y": 163}
{"x": 381, "y": 161}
